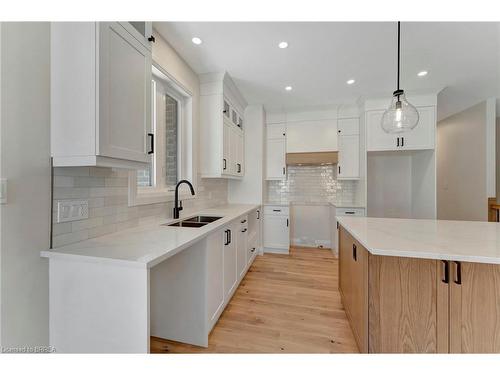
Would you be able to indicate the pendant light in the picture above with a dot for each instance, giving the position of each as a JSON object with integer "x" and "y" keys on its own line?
{"x": 401, "y": 116}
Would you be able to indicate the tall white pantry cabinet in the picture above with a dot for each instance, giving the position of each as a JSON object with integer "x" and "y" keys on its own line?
{"x": 100, "y": 94}
{"x": 222, "y": 130}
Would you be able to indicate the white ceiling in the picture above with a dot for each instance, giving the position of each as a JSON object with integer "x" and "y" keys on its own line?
{"x": 462, "y": 58}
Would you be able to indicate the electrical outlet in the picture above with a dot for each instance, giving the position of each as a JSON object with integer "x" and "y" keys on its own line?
{"x": 3, "y": 190}
{"x": 72, "y": 210}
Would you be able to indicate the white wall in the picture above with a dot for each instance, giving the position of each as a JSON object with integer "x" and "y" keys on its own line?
{"x": 389, "y": 185}
{"x": 464, "y": 167}
{"x": 250, "y": 188}
{"x": 25, "y": 161}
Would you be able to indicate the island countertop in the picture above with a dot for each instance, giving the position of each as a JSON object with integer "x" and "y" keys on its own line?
{"x": 146, "y": 246}
{"x": 467, "y": 241}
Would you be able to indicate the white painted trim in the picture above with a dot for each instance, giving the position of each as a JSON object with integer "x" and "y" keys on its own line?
{"x": 491, "y": 147}
{"x": 143, "y": 196}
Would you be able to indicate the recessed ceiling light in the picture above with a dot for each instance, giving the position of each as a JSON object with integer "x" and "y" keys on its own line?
{"x": 423, "y": 73}
{"x": 283, "y": 45}
{"x": 288, "y": 88}
{"x": 350, "y": 82}
{"x": 196, "y": 40}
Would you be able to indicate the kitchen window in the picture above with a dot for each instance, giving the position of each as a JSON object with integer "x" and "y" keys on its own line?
{"x": 171, "y": 123}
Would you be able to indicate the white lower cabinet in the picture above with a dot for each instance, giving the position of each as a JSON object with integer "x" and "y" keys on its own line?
{"x": 230, "y": 259}
{"x": 242, "y": 247}
{"x": 215, "y": 277}
{"x": 276, "y": 229}
{"x": 230, "y": 252}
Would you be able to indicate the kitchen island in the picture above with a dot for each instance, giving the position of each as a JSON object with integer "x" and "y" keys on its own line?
{"x": 111, "y": 293}
{"x": 421, "y": 286}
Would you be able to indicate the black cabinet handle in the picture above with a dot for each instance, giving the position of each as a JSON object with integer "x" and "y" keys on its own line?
{"x": 224, "y": 163}
{"x": 230, "y": 236}
{"x": 244, "y": 230}
{"x": 397, "y": 142}
{"x": 151, "y": 143}
{"x": 402, "y": 141}
{"x": 243, "y": 221}
{"x": 152, "y": 39}
{"x": 349, "y": 212}
{"x": 458, "y": 273}
{"x": 287, "y": 222}
{"x": 253, "y": 249}
{"x": 227, "y": 237}
{"x": 284, "y": 170}
{"x": 239, "y": 167}
{"x": 258, "y": 214}
{"x": 445, "y": 271}
{"x": 354, "y": 252}
{"x": 224, "y": 111}
{"x": 276, "y": 210}
{"x": 339, "y": 169}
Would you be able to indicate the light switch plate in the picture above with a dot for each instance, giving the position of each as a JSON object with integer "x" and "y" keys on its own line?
{"x": 72, "y": 210}
{"x": 3, "y": 190}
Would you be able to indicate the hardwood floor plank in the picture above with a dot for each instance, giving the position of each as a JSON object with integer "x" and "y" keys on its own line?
{"x": 285, "y": 304}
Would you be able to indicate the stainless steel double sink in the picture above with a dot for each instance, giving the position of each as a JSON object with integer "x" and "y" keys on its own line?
{"x": 195, "y": 221}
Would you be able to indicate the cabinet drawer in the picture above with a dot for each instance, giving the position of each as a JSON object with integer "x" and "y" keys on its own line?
{"x": 276, "y": 210}
{"x": 350, "y": 211}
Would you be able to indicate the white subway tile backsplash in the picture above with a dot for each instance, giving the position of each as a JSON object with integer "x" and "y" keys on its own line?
{"x": 317, "y": 183}
{"x": 107, "y": 192}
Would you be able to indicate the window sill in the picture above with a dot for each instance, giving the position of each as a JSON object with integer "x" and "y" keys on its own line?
{"x": 144, "y": 196}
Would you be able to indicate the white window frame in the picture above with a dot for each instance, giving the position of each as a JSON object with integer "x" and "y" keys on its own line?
{"x": 151, "y": 195}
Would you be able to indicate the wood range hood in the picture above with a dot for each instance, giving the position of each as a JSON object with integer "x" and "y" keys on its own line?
{"x": 312, "y": 158}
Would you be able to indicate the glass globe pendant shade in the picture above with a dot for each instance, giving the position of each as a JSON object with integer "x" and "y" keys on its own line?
{"x": 401, "y": 116}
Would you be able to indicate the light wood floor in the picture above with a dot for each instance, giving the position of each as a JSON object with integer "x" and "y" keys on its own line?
{"x": 285, "y": 304}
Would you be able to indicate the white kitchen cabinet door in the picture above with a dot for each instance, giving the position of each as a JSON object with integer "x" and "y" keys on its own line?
{"x": 275, "y": 131}
{"x": 348, "y": 166}
{"x": 124, "y": 94}
{"x": 422, "y": 137}
{"x": 215, "y": 277}
{"x": 226, "y": 153}
{"x": 240, "y": 155}
{"x": 230, "y": 257}
{"x": 275, "y": 159}
{"x": 233, "y": 153}
{"x": 242, "y": 249}
{"x": 348, "y": 126}
{"x": 276, "y": 232}
{"x": 311, "y": 136}
{"x": 376, "y": 138}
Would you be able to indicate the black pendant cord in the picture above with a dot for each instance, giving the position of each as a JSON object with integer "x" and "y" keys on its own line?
{"x": 399, "y": 48}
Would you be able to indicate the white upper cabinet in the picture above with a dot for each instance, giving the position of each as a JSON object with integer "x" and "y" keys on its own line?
{"x": 275, "y": 151}
{"x": 100, "y": 95}
{"x": 348, "y": 165}
{"x": 348, "y": 142}
{"x": 311, "y": 136}
{"x": 222, "y": 137}
{"x": 422, "y": 137}
{"x": 348, "y": 126}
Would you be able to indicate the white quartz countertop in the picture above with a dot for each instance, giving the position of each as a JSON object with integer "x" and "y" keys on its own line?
{"x": 146, "y": 246}
{"x": 306, "y": 203}
{"x": 467, "y": 241}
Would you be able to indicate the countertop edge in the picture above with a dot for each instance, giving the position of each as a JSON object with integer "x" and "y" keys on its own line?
{"x": 150, "y": 262}
{"x": 419, "y": 255}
